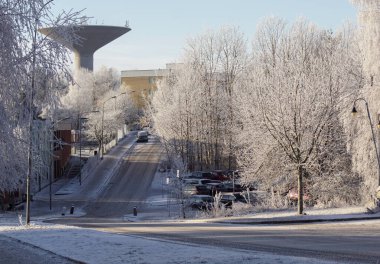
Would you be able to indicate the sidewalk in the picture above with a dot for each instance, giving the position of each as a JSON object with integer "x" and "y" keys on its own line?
{"x": 64, "y": 188}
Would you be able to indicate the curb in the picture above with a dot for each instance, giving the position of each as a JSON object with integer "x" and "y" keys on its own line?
{"x": 297, "y": 221}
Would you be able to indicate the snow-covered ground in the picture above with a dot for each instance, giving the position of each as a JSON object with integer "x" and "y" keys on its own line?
{"x": 91, "y": 246}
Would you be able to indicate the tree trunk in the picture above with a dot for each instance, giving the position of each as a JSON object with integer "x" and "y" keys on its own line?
{"x": 300, "y": 190}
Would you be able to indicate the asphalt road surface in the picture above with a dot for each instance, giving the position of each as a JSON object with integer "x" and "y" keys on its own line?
{"x": 130, "y": 182}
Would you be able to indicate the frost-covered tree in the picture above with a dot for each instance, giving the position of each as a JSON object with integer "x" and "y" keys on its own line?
{"x": 97, "y": 87}
{"x": 193, "y": 106}
{"x": 31, "y": 70}
{"x": 362, "y": 148}
{"x": 299, "y": 82}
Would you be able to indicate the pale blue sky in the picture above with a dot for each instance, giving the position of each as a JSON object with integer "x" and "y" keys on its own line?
{"x": 160, "y": 27}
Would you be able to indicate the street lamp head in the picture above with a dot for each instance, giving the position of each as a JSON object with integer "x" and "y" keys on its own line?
{"x": 354, "y": 111}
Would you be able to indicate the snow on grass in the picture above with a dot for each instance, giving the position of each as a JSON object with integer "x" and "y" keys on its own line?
{"x": 92, "y": 246}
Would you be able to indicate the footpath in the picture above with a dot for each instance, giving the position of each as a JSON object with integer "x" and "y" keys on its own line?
{"x": 67, "y": 192}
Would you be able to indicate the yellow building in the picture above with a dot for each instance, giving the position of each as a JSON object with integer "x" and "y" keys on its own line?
{"x": 140, "y": 83}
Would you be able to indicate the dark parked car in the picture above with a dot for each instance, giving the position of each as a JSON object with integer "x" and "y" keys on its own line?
{"x": 219, "y": 175}
{"x": 230, "y": 187}
{"x": 196, "y": 181}
{"x": 209, "y": 187}
{"x": 201, "y": 202}
{"x": 200, "y": 175}
{"x": 227, "y": 199}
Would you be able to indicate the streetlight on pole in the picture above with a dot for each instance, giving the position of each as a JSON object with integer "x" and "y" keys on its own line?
{"x": 31, "y": 110}
{"x": 354, "y": 111}
{"x": 80, "y": 141}
{"x": 102, "y": 149}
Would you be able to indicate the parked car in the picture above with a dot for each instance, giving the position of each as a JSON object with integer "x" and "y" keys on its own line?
{"x": 200, "y": 175}
{"x": 227, "y": 199}
{"x": 213, "y": 187}
{"x": 201, "y": 202}
{"x": 190, "y": 181}
{"x": 230, "y": 187}
{"x": 142, "y": 136}
{"x": 208, "y": 187}
{"x": 219, "y": 175}
{"x": 189, "y": 190}
{"x": 195, "y": 181}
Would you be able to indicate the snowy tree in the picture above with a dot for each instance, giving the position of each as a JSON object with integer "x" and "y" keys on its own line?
{"x": 97, "y": 88}
{"x": 193, "y": 107}
{"x": 31, "y": 70}
{"x": 362, "y": 147}
{"x": 297, "y": 87}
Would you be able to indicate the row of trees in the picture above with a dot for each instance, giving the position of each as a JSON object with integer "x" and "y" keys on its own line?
{"x": 194, "y": 107}
{"x": 278, "y": 113}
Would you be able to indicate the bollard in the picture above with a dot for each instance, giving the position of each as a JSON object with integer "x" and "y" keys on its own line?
{"x": 63, "y": 210}
{"x": 72, "y": 209}
{"x": 135, "y": 211}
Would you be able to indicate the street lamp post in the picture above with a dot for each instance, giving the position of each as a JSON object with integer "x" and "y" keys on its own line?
{"x": 123, "y": 93}
{"x": 31, "y": 111}
{"x": 354, "y": 111}
{"x": 80, "y": 141}
{"x": 102, "y": 147}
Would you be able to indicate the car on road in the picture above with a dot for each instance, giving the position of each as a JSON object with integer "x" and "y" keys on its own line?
{"x": 201, "y": 202}
{"x": 142, "y": 136}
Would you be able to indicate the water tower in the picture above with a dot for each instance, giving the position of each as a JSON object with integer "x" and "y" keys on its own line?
{"x": 92, "y": 38}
